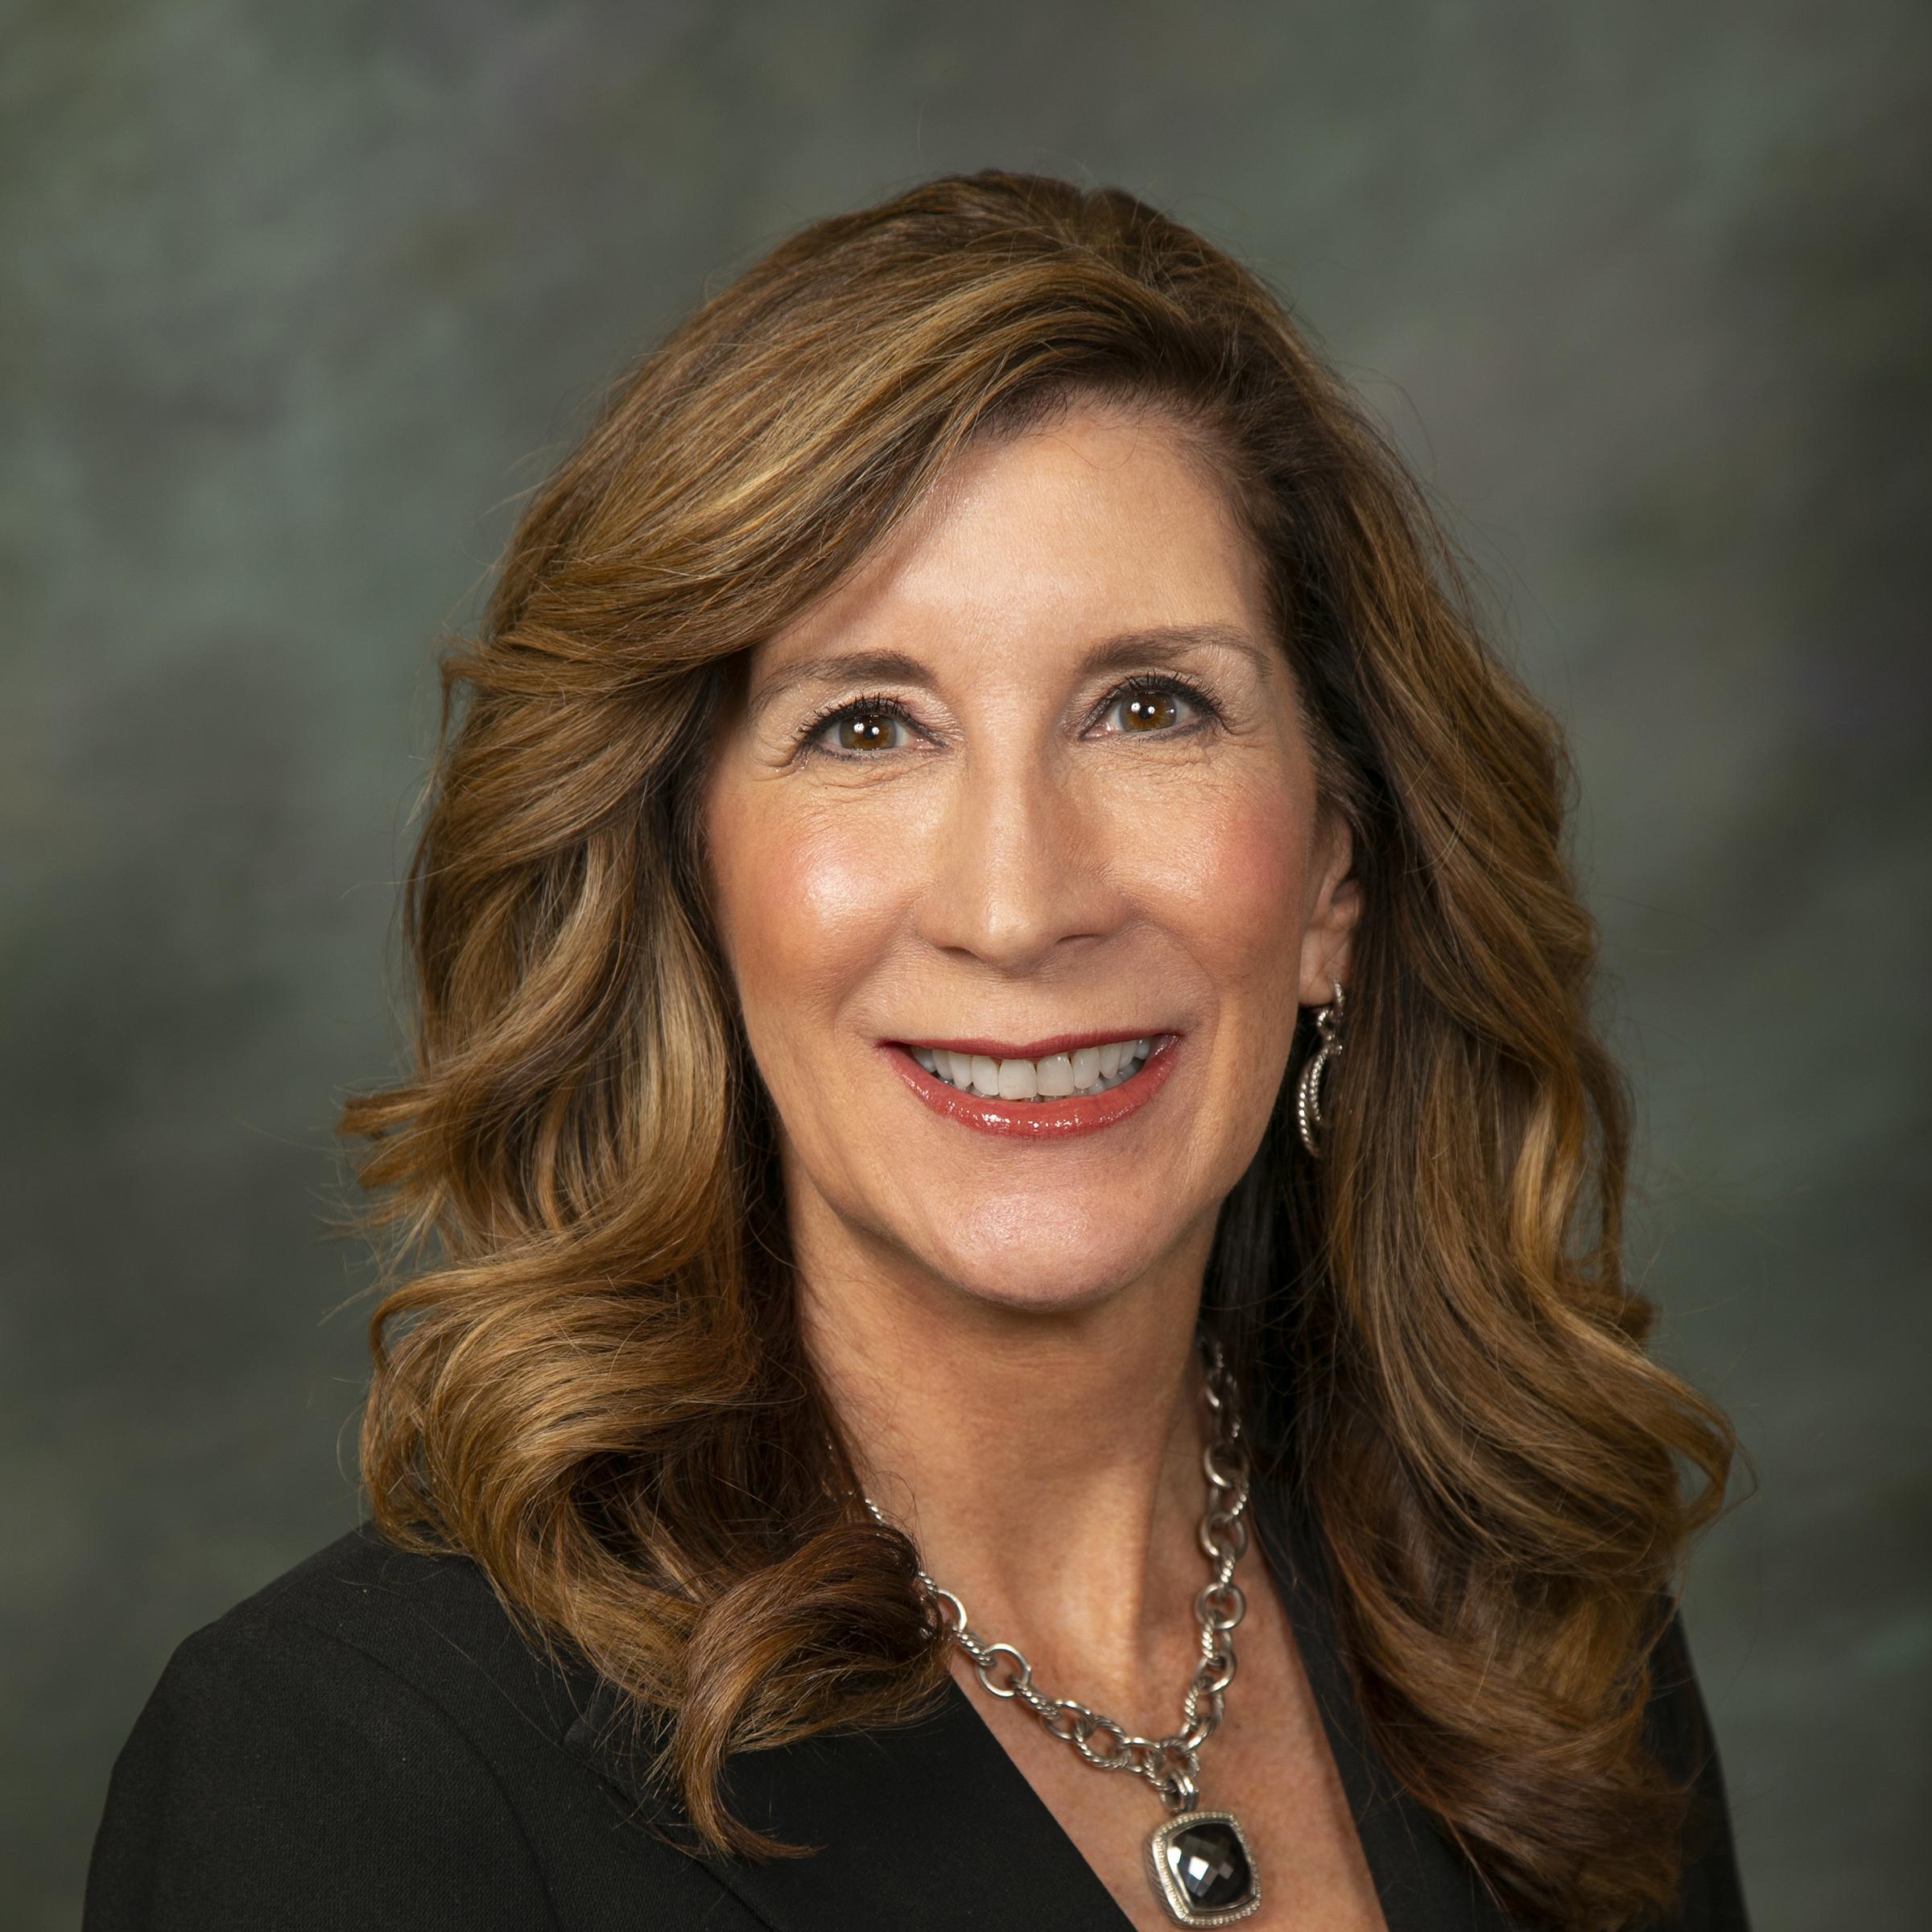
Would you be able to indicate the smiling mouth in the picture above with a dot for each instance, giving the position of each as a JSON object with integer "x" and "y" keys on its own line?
{"x": 1053, "y": 1077}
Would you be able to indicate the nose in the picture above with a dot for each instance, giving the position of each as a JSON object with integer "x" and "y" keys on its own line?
{"x": 1020, "y": 862}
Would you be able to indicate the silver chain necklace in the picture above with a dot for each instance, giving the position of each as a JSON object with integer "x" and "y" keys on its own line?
{"x": 1198, "y": 1861}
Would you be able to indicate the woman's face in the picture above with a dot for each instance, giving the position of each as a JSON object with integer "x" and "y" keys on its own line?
{"x": 1030, "y": 784}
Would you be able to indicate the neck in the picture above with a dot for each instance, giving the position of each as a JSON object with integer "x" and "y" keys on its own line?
{"x": 1046, "y": 1462}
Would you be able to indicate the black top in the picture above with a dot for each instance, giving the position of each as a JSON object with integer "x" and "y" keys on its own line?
{"x": 368, "y": 1743}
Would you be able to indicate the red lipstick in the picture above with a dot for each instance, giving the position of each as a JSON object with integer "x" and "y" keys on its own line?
{"x": 1037, "y": 1120}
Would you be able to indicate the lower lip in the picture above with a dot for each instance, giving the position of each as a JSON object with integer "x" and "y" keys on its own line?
{"x": 1038, "y": 1120}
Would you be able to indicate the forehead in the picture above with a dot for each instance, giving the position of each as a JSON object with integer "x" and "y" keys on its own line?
{"x": 1105, "y": 518}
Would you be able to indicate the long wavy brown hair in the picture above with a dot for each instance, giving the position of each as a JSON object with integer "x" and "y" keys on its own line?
{"x": 587, "y": 1374}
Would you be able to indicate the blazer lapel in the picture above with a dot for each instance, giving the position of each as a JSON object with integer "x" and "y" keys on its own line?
{"x": 1424, "y": 1883}
{"x": 929, "y": 1824}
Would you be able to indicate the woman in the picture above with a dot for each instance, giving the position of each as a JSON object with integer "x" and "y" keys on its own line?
{"x": 1006, "y": 1103}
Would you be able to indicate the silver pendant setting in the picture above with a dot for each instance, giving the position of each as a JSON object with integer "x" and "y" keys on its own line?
{"x": 1201, "y": 1869}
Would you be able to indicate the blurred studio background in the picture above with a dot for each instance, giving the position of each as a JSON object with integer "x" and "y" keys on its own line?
{"x": 296, "y": 300}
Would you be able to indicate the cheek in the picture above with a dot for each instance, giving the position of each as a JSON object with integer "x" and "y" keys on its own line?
{"x": 801, "y": 910}
{"x": 1237, "y": 890}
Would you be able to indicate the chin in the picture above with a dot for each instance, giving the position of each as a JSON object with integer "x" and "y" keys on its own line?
{"x": 1043, "y": 1282}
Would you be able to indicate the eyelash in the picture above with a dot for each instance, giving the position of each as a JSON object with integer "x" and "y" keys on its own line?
{"x": 882, "y": 704}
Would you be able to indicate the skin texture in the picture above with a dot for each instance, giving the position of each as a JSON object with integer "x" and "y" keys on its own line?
{"x": 1003, "y": 1324}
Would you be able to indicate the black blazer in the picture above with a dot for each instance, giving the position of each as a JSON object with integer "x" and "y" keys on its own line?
{"x": 366, "y": 1744}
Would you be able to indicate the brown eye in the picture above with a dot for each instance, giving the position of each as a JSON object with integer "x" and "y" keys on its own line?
{"x": 1164, "y": 707}
{"x": 1150, "y": 710}
{"x": 863, "y": 728}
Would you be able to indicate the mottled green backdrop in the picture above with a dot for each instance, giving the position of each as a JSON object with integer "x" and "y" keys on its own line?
{"x": 296, "y": 300}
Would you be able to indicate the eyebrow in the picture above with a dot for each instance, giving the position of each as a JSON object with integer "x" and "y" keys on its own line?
{"x": 1165, "y": 644}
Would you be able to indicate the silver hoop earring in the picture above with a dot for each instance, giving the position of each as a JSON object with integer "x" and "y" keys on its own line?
{"x": 1308, "y": 1095}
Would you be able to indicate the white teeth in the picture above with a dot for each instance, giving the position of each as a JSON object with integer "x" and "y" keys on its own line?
{"x": 1019, "y": 1080}
{"x": 1086, "y": 1070}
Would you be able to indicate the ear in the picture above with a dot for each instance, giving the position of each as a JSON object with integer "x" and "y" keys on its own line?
{"x": 1335, "y": 903}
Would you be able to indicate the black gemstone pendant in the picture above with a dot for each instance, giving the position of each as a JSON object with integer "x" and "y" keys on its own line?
{"x": 1201, "y": 1869}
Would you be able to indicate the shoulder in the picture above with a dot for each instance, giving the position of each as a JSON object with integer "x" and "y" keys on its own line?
{"x": 364, "y": 1589}
{"x": 298, "y": 1748}
{"x": 368, "y": 1739}
{"x": 432, "y": 1621}
{"x": 365, "y": 1630}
